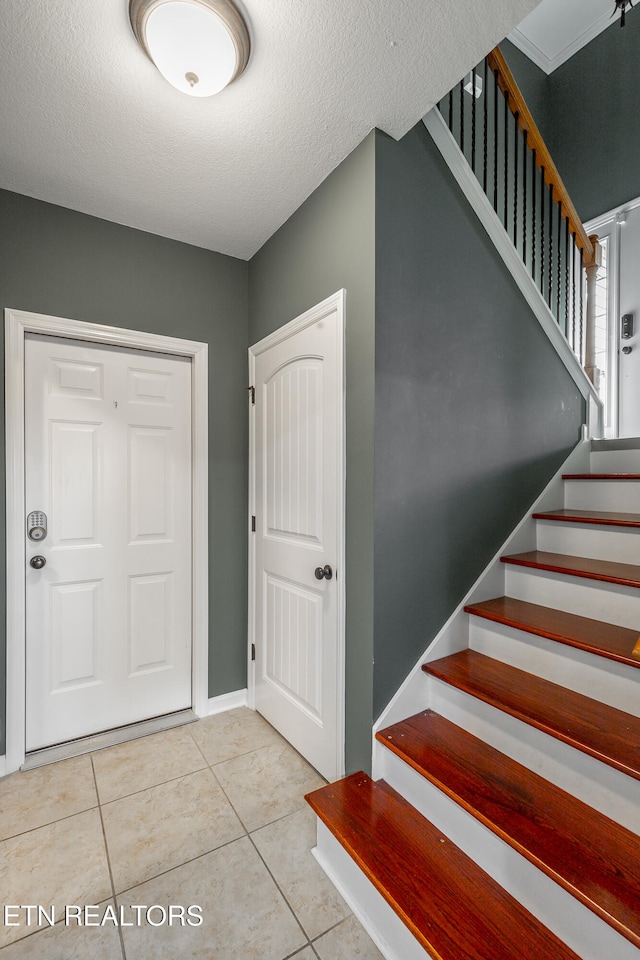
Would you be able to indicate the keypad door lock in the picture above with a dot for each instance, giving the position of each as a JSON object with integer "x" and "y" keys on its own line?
{"x": 37, "y": 526}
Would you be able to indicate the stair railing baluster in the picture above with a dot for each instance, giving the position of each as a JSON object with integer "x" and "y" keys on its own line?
{"x": 506, "y": 158}
{"x": 495, "y": 141}
{"x": 580, "y": 281}
{"x": 566, "y": 278}
{"x": 462, "y": 114}
{"x": 542, "y": 186}
{"x": 550, "y": 251}
{"x": 559, "y": 264}
{"x": 516, "y": 137}
{"x": 573, "y": 295}
{"x": 485, "y": 91}
{"x": 473, "y": 120}
{"x": 533, "y": 216}
{"x": 524, "y": 196}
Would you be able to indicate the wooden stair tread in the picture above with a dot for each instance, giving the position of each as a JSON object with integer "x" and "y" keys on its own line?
{"x": 588, "y": 854}
{"x": 454, "y": 909}
{"x": 627, "y": 574}
{"x": 603, "y": 732}
{"x": 601, "y": 476}
{"x": 591, "y": 516}
{"x": 594, "y": 636}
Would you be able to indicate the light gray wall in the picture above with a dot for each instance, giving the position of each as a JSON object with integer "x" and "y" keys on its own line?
{"x": 59, "y": 262}
{"x": 473, "y": 409}
{"x": 326, "y": 245}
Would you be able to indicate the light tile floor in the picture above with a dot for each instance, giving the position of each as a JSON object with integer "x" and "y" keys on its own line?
{"x": 207, "y": 815}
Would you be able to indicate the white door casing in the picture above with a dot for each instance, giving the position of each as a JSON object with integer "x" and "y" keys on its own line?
{"x": 17, "y": 325}
{"x": 297, "y": 496}
{"x": 622, "y": 228}
{"x": 108, "y": 461}
{"x": 629, "y": 364}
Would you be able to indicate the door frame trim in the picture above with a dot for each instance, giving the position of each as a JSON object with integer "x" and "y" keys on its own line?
{"x": 17, "y": 324}
{"x": 335, "y": 302}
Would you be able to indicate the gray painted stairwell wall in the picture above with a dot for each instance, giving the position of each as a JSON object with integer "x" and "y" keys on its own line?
{"x": 474, "y": 411}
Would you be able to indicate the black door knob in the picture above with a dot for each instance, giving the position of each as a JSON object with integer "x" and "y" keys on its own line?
{"x": 37, "y": 562}
{"x": 323, "y": 573}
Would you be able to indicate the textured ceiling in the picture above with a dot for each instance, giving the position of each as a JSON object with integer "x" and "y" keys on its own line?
{"x": 87, "y": 121}
{"x": 556, "y": 30}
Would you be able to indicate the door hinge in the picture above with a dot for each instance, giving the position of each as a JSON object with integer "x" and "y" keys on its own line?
{"x": 252, "y": 393}
{"x": 253, "y": 651}
{"x": 253, "y": 524}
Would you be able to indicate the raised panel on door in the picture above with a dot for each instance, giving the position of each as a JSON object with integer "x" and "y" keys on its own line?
{"x": 108, "y": 441}
{"x": 150, "y": 503}
{"x": 76, "y": 625}
{"x": 293, "y": 469}
{"x": 293, "y": 644}
{"x": 74, "y": 469}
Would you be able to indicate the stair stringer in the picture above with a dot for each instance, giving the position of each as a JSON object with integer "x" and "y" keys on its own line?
{"x": 479, "y": 202}
{"x": 411, "y": 697}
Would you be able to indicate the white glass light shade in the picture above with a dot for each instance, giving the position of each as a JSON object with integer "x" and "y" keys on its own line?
{"x": 199, "y": 46}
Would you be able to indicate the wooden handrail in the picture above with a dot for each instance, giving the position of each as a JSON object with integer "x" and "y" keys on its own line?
{"x": 506, "y": 81}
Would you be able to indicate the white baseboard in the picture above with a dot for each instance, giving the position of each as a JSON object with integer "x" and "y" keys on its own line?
{"x": 227, "y": 701}
{"x": 3, "y": 765}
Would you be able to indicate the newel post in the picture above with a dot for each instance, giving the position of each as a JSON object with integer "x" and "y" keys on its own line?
{"x": 591, "y": 270}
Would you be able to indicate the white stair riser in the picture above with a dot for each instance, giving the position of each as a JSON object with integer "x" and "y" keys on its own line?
{"x": 604, "y": 680}
{"x": 587, "y": 598}
{"x": 597, "y": 784}
{"x": 381, "y": 922}
{"x": 613, "y": 496}
{"x": 590, "y": 936}
{"x": 615, "y": 461}
{"x": 619, "y": 544}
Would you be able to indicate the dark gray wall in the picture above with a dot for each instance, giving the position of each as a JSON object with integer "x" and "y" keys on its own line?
{"x": 326, "y": 245}
{"x": 534, "y": 84}
{"x": 589, "y": 116}
{"x": 596, "y": 120}
{"x": 473, "y": 409}
{"x": 59, "y": 262}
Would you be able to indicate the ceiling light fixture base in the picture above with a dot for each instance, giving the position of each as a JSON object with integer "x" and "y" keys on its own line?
{"x": 173, "y": 34}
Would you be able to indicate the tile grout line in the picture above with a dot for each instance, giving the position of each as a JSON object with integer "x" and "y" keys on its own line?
{"x": 227, "y": 798}
{"x": 177, "y": 866}
{"x": 277, "y": 885}
{"x": 135, "y": 793}
{"x": 335, "y": 925}
{"x": 106, "y": 850}
{"x": 248, "y": 834}
{"x": 49, "y": 823}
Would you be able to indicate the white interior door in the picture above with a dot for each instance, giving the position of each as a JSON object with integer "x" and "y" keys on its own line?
{"x": 108, "y": 460}
{"x": 299, "y": 490}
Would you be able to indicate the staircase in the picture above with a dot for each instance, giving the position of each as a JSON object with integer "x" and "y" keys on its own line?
{"x": 505, "y": 823}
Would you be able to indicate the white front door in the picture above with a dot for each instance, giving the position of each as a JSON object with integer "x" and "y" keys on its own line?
{"x": 298, "y": 461}
{"x": 629, "y": 369}
{"x": 108, "y": 461}
{"x": 618, "y": 296}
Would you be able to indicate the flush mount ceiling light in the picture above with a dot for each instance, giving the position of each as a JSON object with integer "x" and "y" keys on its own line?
{"x": 199, "y": 46}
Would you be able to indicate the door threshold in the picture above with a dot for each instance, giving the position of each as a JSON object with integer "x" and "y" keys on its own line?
{"x": 75, "y": 748}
